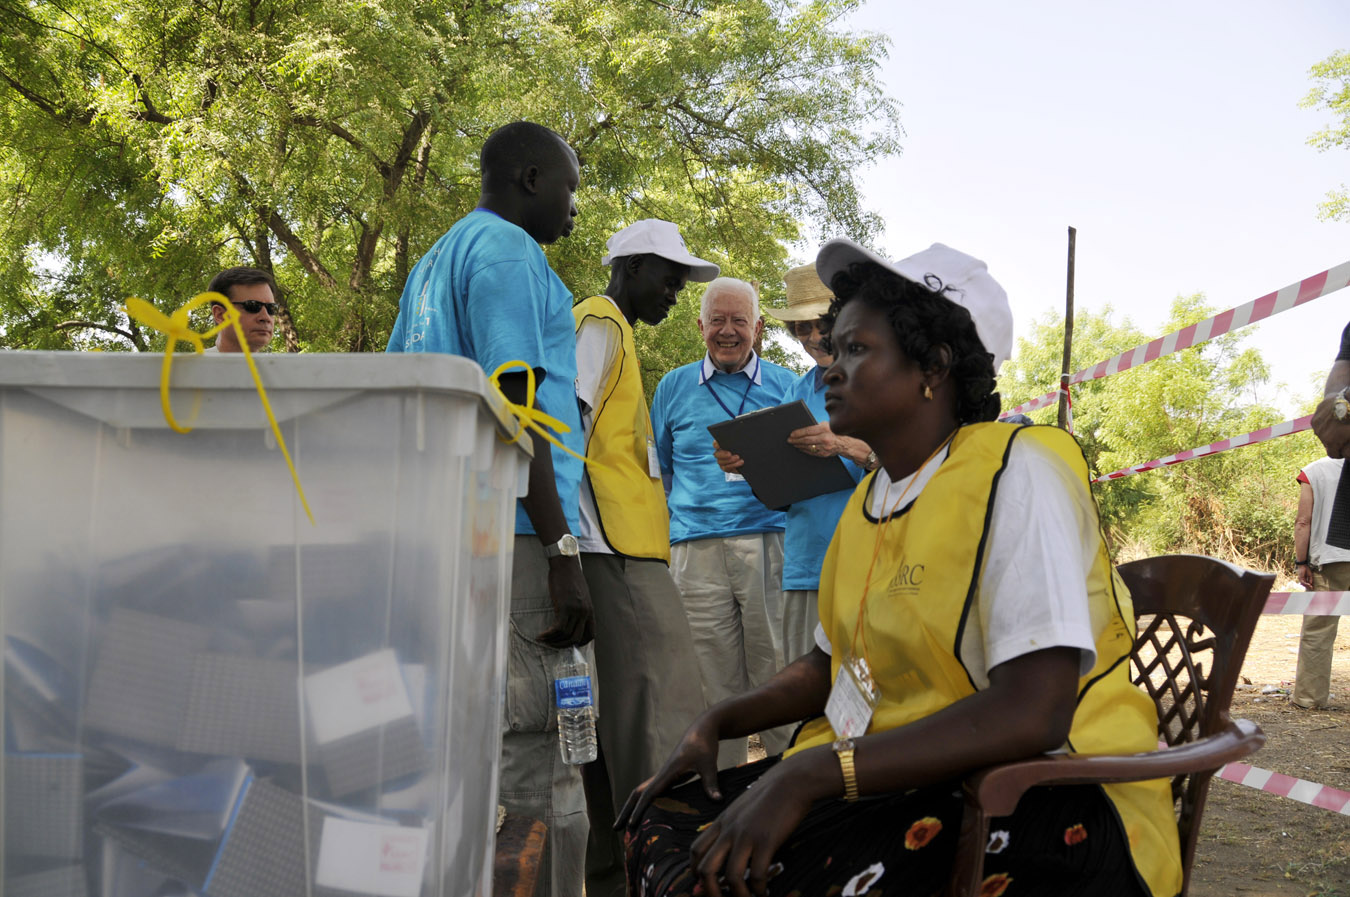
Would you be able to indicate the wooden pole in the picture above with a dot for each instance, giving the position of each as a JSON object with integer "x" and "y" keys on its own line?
{"x": 1068, "y": 335}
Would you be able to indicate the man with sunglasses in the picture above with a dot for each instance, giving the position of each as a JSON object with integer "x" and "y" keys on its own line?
{"x": 254, "y": 293}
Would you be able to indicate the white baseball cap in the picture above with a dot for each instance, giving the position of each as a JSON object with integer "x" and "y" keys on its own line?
{"x": 948, "y": 272}
{"x": 652, "y": 236}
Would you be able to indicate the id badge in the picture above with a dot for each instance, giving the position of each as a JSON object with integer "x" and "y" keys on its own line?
{"x": 852, "y": 699}
{"x": 734, "y": 477}
{"x": 653, "y": 462}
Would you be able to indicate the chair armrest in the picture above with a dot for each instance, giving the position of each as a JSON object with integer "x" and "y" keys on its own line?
{"x": 997, "y": 790}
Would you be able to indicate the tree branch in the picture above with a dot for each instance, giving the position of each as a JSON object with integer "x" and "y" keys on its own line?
{"x": 150, "y": 113}
{"x": 134, "y": 338}
{"x": 346, "y": 136}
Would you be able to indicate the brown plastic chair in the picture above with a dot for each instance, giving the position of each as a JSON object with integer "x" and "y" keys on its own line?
{"x": 1221, "y": 605}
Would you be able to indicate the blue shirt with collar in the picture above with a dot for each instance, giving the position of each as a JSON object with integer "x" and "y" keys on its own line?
{"x": 703, "y": 503}
{"x": 486, "y": 292}
{"x": 811, "y": 523}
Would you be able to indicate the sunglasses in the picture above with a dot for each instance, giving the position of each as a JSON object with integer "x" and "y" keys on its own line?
{"x": 802, "y": 329}
{"x": 252, "y": 306}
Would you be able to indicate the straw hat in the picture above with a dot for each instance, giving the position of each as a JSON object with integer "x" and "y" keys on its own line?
{"x": 807, "y": 297}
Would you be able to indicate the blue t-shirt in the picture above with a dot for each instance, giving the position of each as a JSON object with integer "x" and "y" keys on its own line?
{"x": 703, "y": 504}
{"x": 811, "y": 523}
{"x": 485, "y": 292}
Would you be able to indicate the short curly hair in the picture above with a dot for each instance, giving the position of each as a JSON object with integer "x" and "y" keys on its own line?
{"x": 923, "y": 320}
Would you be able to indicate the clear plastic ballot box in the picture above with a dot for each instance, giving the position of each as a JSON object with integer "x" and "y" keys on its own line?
{"x": 203, "y": 692}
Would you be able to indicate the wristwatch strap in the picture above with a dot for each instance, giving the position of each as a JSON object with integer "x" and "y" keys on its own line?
{"x": 845, "y": 756}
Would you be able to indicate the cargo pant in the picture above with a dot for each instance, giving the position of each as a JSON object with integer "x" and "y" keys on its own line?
{"x": 534, "y": 780}
{"x": 1312, "y": 683}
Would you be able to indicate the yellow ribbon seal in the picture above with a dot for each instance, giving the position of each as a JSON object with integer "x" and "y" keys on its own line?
{"x": 176, "y": 327}
{"x": 531, "y": 417}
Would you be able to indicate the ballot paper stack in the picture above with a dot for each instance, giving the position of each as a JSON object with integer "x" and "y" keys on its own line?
{"x": 203, "y": 693}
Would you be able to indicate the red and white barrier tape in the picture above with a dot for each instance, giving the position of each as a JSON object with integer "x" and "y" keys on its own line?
{"x": 1284, "y": 428}
{"x": 1287, "y": 786}
{"x": 1036, "y": 404}
{"x": 1322, "y": 604}
{"x": 1295, "y": 294}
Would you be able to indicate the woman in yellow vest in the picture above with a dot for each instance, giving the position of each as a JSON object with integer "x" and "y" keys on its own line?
{"x": 969, "y": 616}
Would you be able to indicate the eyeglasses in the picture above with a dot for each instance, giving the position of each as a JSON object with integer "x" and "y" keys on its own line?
{"x": 252, "y": 306}
{"x": 802, "y": 329}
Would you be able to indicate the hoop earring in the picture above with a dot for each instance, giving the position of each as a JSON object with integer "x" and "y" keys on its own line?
{"x": 927, "y": 392}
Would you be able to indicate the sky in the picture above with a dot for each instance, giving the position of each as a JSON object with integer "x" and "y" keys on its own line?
{"x": 1169, "y": 134}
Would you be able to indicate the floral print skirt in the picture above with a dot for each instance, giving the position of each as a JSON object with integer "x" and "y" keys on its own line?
{"x": 1061, "y": 841}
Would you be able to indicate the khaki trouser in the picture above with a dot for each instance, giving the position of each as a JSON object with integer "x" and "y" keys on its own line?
{"x": 1312, "y": 683}
{"x": 534, "y": 780}
{"x": 800, "y": 617}
{"x": 648, "y": 673}
{"x": 732, "y": 593}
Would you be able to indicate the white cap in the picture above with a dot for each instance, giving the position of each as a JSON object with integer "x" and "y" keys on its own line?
{"x": 652, "y": 236}
{"x": 948, "y": 272}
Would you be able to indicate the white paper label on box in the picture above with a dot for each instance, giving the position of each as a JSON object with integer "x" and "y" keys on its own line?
{"x": 356, "y": 696}
{"x": 387, "y": 860}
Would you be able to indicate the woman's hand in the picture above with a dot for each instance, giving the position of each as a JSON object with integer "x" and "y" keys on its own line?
{"x": 816, "y": 440}
{"x": 729, "y": 462}
{"x": 696, "y": 753}
{"x": 819, "y": 441}
{"x": 735, "y": 852}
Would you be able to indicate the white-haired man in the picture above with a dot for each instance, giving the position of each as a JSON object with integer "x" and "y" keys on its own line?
{"x": 726, "y": 548}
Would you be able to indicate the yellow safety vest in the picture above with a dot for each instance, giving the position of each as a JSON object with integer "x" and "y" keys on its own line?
{"x": 631, "y": 503}
{"x": 925, "y": 582}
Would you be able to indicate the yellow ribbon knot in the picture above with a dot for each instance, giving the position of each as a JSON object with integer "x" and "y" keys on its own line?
{"x": 177, "y": 328}
{"x": 532, "y": 418}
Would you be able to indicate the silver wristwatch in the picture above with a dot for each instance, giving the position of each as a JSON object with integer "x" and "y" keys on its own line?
{"x": 1341, "y": 406}
{"x": 565, "y": 547}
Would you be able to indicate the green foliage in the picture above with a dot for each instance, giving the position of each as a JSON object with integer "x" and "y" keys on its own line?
{"x": 1331, "y": 78}
{"x": 144, "y": 146}
{"x": 1237, "y": 504}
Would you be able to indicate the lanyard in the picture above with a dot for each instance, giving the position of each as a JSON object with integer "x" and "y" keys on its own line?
{"x": 745, "y": 395}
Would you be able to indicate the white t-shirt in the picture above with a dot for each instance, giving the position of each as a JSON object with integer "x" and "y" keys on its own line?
{"x": 599, "y": 348}
{"x": 1043, "y": 538}
{"x": 1324, "y": 475}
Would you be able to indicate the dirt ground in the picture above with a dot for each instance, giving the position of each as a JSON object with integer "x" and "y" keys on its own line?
{"x": 1256, "y": 844}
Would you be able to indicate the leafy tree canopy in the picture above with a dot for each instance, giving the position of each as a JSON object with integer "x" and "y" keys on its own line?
{"x": 1331, "y": 89}
{"x": 1238, "y": 504}
{"x": 144, "y": 146}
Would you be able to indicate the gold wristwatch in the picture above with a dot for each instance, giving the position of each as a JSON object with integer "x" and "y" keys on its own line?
{"x": 843, "y": 749}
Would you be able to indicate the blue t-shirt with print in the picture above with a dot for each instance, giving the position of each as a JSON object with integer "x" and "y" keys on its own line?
{"x": 703, "y": 504}
{"x": 485, "y": 291}
{"x": 811, "y": 523}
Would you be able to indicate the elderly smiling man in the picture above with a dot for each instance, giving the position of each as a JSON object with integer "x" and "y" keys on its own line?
{"x": 726, "y": 549}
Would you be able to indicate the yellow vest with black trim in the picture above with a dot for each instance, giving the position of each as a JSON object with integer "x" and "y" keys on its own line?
{"x": 630, "y": 502}
{"x": 914, "y": 624}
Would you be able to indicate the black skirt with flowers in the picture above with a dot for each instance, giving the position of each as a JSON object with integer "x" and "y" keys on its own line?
{"x": 1060, "y": 841}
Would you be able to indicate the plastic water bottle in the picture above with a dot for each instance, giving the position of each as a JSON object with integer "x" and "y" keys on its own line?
{"x": 576, "y": 710}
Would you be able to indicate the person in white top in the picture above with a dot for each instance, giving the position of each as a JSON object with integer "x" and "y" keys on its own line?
{"x": 254, "y": 293}
{"x": 646, "y": 670}
{"x": 1321, "y": 568}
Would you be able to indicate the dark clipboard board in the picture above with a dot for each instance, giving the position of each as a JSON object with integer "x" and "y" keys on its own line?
{"x": 778, "y": 473}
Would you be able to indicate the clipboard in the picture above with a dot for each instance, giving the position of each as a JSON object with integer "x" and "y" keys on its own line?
{"x": 778, "y": 473}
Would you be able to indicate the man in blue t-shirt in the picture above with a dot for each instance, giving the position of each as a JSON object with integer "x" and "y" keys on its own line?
{"x": 726, "y": 550}
{"x": 485, "y": 291}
